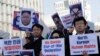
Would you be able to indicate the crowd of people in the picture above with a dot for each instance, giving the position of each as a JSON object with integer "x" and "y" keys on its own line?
{"x": 34, "y": 38}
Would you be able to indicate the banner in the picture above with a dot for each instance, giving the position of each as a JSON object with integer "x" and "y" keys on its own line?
{"x": 85, "y": 42}
{"x": 67, "y": 21}
{"x": 12, "y": 46}
{"x": 76, "y": 10}
{"x": 27, "y": 53}
{"x": 53, "y": 47}
{"x": 24, "y": 19}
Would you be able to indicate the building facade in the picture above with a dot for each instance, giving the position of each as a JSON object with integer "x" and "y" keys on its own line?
{"x": 62, "y": 7}
{"x": 7, "y": 7}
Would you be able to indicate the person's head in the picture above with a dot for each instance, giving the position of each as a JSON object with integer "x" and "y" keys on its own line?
{"x": 80, "y": 24}
{"x": 37, "y": 30}
{"x": 56, "y": 34}
{"x": 26, "y": 17}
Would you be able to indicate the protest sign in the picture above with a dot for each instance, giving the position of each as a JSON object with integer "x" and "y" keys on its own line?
{"x": 27, "y": 52}
{"x": 67, "y": 21}
{"x": 57, "y": 21}
{"x": 12, "y": 46}
{"x": 85, "y": 42}
{"x": 53, "y": 47}
{"x": 24, "y": 19}
{"x": 76, "y": 10}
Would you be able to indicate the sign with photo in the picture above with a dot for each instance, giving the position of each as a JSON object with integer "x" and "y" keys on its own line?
{"x": 76, "y": 10}
{"x": 57, "y": 21}
{"x": 24, "y": 19}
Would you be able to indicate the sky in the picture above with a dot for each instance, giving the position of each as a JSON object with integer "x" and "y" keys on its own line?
{"x": 49, "y": 8}
{"x": 95, "y": 9}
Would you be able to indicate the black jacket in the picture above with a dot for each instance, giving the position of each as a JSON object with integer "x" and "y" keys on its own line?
{"x": 36, "y": 45}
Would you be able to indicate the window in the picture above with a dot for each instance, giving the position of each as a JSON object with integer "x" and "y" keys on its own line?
{"x": 1, "y": 25}
{"x": 16, "y": 8}
{"x": 25, "y": 3}
{"x": 21, "y": 4}
{"x": 4, "y": 8}
{"x": 0, "y": 17}
{"x": 13, "y": 2}
{"x": 4, "y": 18}
{"x": 9, "y": 28}
{"x": 4, "y": 1}
{"x": 8, "y": 9}
{"x": 13, "y": 9}
{"x": 0, "y": 8}
{"x": 4, "y": 27}
{"x": 17, "y": 3}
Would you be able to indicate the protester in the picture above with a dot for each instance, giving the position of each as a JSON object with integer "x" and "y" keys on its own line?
{"x": 35, "y": 39}
{"x": 80, "y": 25}
{"x": 37, "y": 30}
{"x": 56, "y": 34}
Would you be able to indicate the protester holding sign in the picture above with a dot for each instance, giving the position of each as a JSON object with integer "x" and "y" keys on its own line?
{"x": 36, "y": 39}
{"x": 56, "y": 34}
{"x": 37, "y": 30}
{"x": 80, "y": 25}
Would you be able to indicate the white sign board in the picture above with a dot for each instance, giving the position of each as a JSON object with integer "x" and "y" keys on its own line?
{"x": 67, "y": 21}
{"x": 85, "y": 42}
{"x": 12, "y": 46}
{"x": 53, "y": 47}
